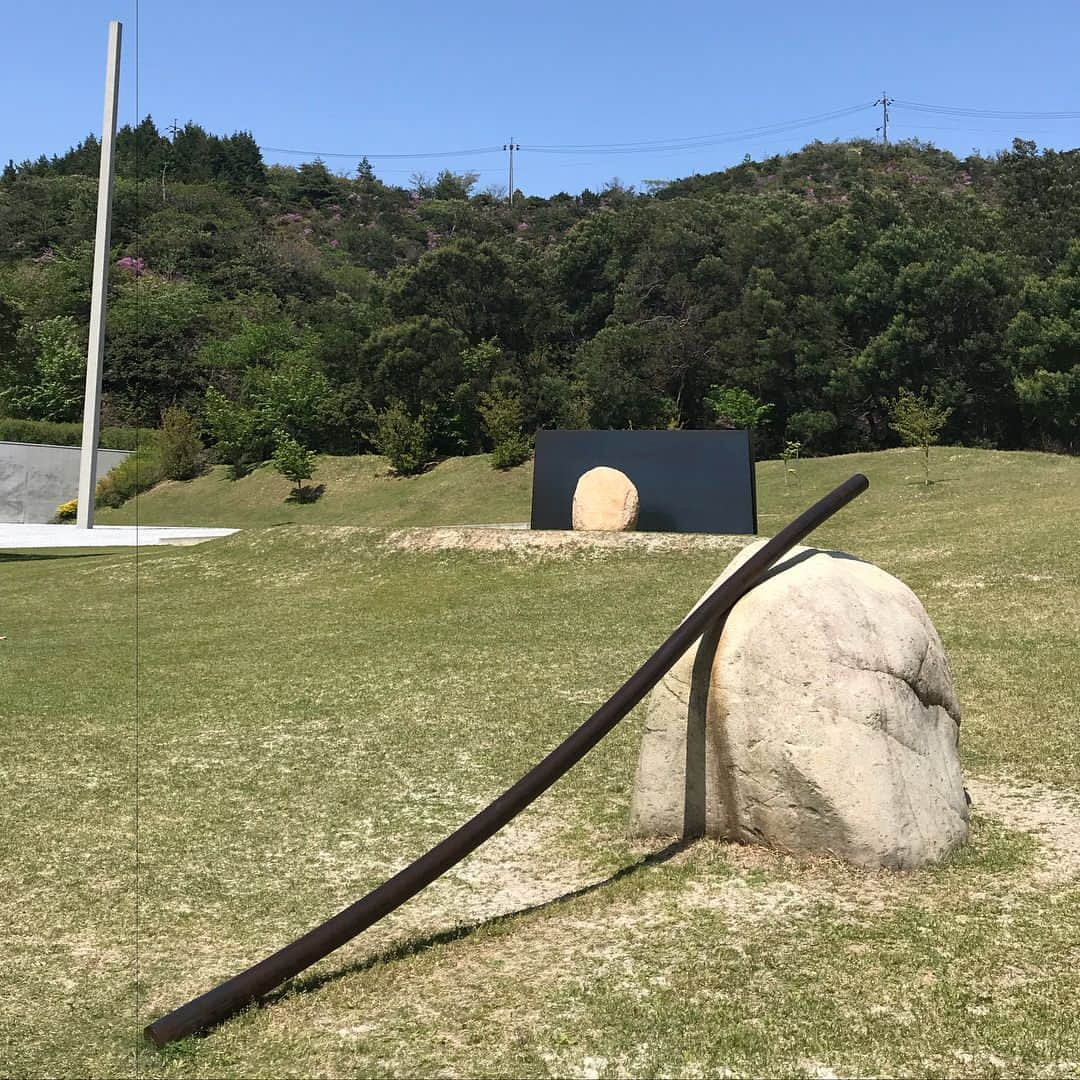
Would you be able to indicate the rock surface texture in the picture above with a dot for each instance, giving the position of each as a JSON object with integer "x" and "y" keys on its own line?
{"x": 605, "y": 499}
{"x": 821, "y": 717}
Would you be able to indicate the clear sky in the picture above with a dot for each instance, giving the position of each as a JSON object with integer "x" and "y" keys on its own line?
{"x": 362, "y": 76}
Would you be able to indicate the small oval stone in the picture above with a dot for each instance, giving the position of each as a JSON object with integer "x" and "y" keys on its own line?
{"x": 606, "y": 500}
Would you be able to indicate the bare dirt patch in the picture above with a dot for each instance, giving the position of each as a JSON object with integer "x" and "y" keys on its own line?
{"x": 516, "y": 869}
{"x": 541, "y": 541}
{"x": 1052, "y": 815}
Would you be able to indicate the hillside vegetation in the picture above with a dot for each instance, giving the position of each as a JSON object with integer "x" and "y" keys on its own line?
{"x": 264, "y": 299}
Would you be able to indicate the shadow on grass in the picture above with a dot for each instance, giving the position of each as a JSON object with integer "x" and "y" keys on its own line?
{"x": 415, "y": 946}
{"x": 306, "y": 494}
{"x": 18, "y": 556}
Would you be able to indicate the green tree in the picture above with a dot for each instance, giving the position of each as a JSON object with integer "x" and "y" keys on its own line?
{"x": 503, "y": 418}
{"x": 53, "y": 385}
{"x": 918, "y": 422}
{"x": 1043, "y": 343}
{"x": 180, "y": 448}
{"x": 9, "y": 334}
{"x": 404, "y": 440}
{"x": 154, "y": 330}
{"x": 234, "y": 429}
{"x": 290, "y": 395}
{"x": 293, "y": 460}
{"x": 735, "y": 407}
{"x": 623, "y": 373}
{"x": 471, "y": 287}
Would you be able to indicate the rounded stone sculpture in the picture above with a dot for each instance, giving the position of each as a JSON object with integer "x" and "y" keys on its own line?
{"x": 820, "y": 717}
{"x": 606, "y": 500}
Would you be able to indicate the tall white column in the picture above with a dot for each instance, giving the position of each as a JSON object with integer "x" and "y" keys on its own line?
{"x": 96, "y": 350}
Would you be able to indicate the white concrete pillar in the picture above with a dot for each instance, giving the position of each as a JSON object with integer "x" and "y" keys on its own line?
{"x": 95, "y": 352}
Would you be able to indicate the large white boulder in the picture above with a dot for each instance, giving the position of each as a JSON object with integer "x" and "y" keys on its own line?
{"x": 605, "y": 499}
{"x": 821, "y": 717}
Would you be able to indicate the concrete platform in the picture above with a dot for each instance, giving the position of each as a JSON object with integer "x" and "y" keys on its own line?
{"x": 57, "y": 536}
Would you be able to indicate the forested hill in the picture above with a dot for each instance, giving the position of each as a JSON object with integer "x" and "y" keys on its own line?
{"x": 822, "y": 282}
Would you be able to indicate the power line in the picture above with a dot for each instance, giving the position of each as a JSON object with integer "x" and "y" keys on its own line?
{"x": 984, "y": 114}
{"x": 699, "y": 142}
{"x": 363, "y": 154}
{"x": 695, "y": 142}
{"x": 914, "y": 125}
{"x": 692, "y": 142}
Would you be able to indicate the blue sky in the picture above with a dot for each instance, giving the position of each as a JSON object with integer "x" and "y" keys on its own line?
{"x": 345, "y": 77}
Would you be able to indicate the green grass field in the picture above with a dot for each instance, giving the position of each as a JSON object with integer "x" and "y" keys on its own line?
{"x": 358, "y": 491}
{"x": 304, "y": 710}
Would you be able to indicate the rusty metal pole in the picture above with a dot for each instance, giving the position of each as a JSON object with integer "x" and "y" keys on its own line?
{"x": 231, "y": 996}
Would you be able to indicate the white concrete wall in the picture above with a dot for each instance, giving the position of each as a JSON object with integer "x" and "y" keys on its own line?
{"x": 35, "y": 478}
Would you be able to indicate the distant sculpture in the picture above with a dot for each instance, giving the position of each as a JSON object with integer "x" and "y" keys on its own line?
{"x": 820, "y": 717}
{"x": 605, "y": 500}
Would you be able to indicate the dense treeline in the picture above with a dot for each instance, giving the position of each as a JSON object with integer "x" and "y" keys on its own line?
{"x": 264, "y": 299}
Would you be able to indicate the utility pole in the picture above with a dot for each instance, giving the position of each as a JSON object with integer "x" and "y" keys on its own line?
{"x": 510, "y": 147}
{"x": 884, "y": 101}
{"x": 95, "y": 352}
{"x": 172, "y": 129}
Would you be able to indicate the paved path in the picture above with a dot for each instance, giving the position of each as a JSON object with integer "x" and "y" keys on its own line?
{"x": 56, "y": 536}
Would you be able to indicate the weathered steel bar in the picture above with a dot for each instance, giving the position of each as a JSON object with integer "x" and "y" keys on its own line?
{"x": 231, "y": 996}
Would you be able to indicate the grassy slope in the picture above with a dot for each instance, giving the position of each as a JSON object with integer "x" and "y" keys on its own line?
{"x": 359, "y": 491}
{"x": 315, "y": 709}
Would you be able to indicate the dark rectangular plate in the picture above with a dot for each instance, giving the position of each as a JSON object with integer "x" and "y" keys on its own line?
{"x": 687, "y": 481}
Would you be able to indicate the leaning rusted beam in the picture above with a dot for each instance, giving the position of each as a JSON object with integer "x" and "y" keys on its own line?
{"x": 231, "y": 996}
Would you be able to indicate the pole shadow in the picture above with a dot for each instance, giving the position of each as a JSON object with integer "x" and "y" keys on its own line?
{"x": 417, "y": 945}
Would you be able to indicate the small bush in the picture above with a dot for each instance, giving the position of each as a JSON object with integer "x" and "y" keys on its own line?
{"x": 513, "y": 450}
{"x": 66, "y": 512}
{"x": 503, "y": 417}
{"x": 183, "y": 455}
{"x": 139, "y": 472}
{"x": 404, "y": 440}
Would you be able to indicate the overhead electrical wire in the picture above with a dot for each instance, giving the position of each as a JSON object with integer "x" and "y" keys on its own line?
{"x": 916, "y": 126}
{"x": 699, "y": 142}
{"x": 692, "y": 142}
{"x": 386, "y": 157}
{"x": 982, "y": 114}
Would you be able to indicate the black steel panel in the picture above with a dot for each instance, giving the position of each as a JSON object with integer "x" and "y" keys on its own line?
{"x": 687, "y": 481}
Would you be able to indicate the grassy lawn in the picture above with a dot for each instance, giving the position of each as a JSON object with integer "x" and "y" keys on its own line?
{"x": 358, "y": 491}
{"x": 316, "y": 707}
